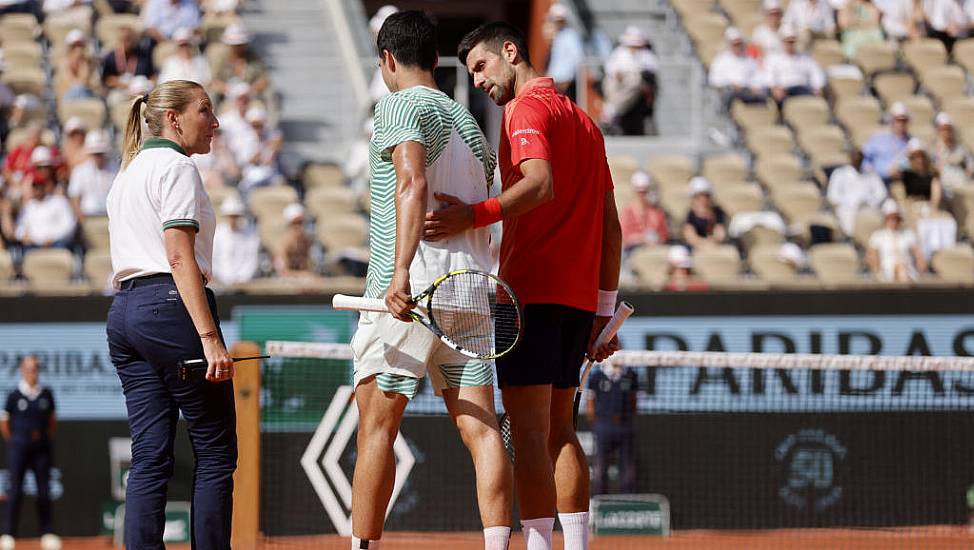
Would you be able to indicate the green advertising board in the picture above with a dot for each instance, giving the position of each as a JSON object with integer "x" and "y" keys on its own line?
{"x": 296, "y": 391}
{"x": 630, "y": 515}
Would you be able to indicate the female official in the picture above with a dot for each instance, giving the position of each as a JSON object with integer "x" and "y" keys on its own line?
{"x": 161, "y": 224}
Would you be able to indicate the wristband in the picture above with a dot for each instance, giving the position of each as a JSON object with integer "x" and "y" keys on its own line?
{"x": 486, "y": 212}
{"x": 607, "y": 303}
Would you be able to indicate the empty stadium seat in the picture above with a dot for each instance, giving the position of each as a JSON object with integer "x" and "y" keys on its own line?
{"x": 92, "y": 111}
{"x": 22, "y": 55}
{"x": 961, "y": 111}
{"x": 751, "y": 116}
{"x": 844, "y": 87}
{"x": 6, "y": 266}
{"x": 801, "y": 112}
{"x": 109, "y": 26}
{"x": 724, "y": 168}
{"x": 763, "y": 261}
{"x": 821, "y": 141}
{"x": 49, "y": 271}
{"x": 892, "y": 87}
{"x": 735, "y": 198}
{"x": 835, "y": 264}
{"x": 18, "y": 135}
{"x": 923, "y": 53}
{"x": 268, "y": 203}
{"x": 963, "y": 54}
{"x": 340, "y": 232}
{"x": 98, "y": 269}
{"x": 944, "y": 82}
{"x": 323, "y": 202}
{"x": 322, "y": 175}
{"x": 955, "y": 264}
{"x": 857, "y": 112}
{"x": 95, "y": 232}
{"x": 670, "y": 170}
{"x": 874, "y": 57}
{"x": 740, "y": 9}
{"x": 26, "y": 80}
{"x": 771, "y": 141}
{"x": 719, "y": 264}
{"x": 19, "y": 27}
{"x": 650, "y": 265}
{"x": 921, "y": 109}
{"x": 675, "y": 200}
{"x": 827, "y": 52}
{"x": 867, "y": 223}
{"x": 778, "y": 170}
{"x": 797, "y": 202}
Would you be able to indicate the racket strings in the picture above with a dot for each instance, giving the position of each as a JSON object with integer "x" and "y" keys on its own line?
{"x": 476, "y": 313}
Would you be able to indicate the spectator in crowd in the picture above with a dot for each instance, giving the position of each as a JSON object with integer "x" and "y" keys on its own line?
{"x": 680, "y": 265}
{"x": 186, "y": 63}
{"x": 240, "y": 65}
{"x": 611, "y": 410}
{"x": 235, "y": 245}
{"x": 810, "y": 18}
{"x": 706, "y": 222}
{"x": 293, "y": 256}
{"x": 219, "y": 8}
{"x": 643, "y": 221}
{"x": 128, "y": 59}
{"x": 7, "y": 99}
{"x": 765, "y": 36}
{"x": 17, "y": 165}
{"x": 162, "y": 18}
{"x": 27, "y": 108}
{"x": 233, "y": 122}
{"x": 921, "y": 182}
{"x": 73, "y": 142}
{"x": 356, "y": 166}
{"x": 859, "y": 21}
{"x": 902, "y": 19}
{"x": 792, "y": 255}
{"x": 894, "y": 253}
{"x": 951, "y": 159}
{"x": 261, "y": 152}
{"x": 91, "y": 180}
{"x": 75, "y": 73}
{"x": 793, "y": 73}
{"x": 629, "y": 85}
{"x": 46, "y": 220}
{"x": 851, "y": 189}
{"x": 378, "y": 89}
{"x": 945, "y": 20}
{"x": 28, "y": 423}
{"x": 735, "y": 73}
{"x": 219, "y": 167}
{"x": 567, "y": 51}
{"x": 886, "y": 147}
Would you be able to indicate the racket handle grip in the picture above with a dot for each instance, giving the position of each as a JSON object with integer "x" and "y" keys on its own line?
{"x": 358, "y": 303}
{"x": 622, "y": 313}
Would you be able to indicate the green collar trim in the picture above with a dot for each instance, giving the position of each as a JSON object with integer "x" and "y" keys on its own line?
{"x": 163, "y": 143}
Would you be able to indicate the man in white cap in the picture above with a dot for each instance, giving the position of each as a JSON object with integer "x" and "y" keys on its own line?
{"x": 887, "y": 147}
{"x": 680, "y": 277}
{"x": 792, "y": 73}
{"x": 235, "y": 245}
{"x": 164, "y": 17}
{"x": 852, "y": 189}
{"x": 765, "y": 35}
{"x": 952, "y": 160}
{"x": 736, "y": 74}
{"x": 240, "y": 65}
{"x": 186, "y": 63}
{"x": 46, "y": 220}
{"x": 292, "y": 258}
{"x": 91, "y": 180}
{"x": 643, "y": 221}
{"x": 894, "y": 253}
{"x": 239, "y": 134}
{"x": 706, "y": 223}
{"x": 567, "y": 51}
{"x": 629, "y": 86}
{"x": 75, "y": 73}
{"x": 259, "y": 154}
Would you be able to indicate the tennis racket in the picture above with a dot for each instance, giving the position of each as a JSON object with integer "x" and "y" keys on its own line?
{"x": 622, "y": 313}
{"x": 471, "y": 311}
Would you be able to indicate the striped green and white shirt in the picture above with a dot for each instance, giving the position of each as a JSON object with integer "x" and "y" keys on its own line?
{"x": 459, "y": 162}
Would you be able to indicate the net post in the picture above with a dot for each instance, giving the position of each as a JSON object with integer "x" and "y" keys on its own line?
{"x": 246, "y": 479}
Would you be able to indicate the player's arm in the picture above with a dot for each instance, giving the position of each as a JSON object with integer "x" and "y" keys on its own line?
{"x": 611, "y": 263}
{"x": 409, "y": 161}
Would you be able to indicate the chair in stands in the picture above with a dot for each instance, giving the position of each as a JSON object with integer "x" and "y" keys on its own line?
{"x": 778, "y": 170}
{"x": 94, "y": 229}
{"x": 670, "y": 170}
{"x": 325, "y": 202}
{"x": 844, "y": 87}
{"x": 875, "y": 57}
{"x": 835, "y": 264}
{"x": 26, "y": 80}
{"x": 963, "y": 53}
{"x": 955, "y": 264}
{"x": 650, "y": 265}
{"x": 735, "y": 198}
{"x": 797, "y": 202}
{"x": 827, "y": 52}
{"x": 718, "y": 265}
{"x": 322, "y": 175}
{"x": 764, "y": 262}
{"x": 92, "y": 111}
{"x": 923, "y": 53}
{"x": 867, "y": 222}
{"x": 921, "y": 109}
{"x": 268, "y": 203}
{"x": 98, "y": 269}
{"x": 49, "y": 271}
{"x": 806, "y": 111}
{"x": 771, "y": 141}
{"x": 893, "y": 87}
{"x": 858, "y": 112}
{"x": 723, "y": 168}
{"x": 749, "y": 116}
{"x": 944, "y": 82}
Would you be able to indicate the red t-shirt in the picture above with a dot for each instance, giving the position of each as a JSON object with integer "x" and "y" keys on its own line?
{"x": 552, "y": 254}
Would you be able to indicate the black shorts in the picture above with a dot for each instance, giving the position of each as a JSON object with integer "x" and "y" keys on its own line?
{"x": 553, "y": 342}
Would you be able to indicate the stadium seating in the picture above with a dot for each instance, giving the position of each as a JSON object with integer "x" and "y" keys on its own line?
{"x": 724, "y": 168}
{"x": 95, "y": 232}
{"x": 649, "y": 264}
{"x": 717, "y": 265}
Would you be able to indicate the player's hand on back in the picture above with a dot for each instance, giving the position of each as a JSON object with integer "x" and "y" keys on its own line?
{"x": 607, "y": 349}
{"x": 455, "y": 217}
{"x": 399, "y": 298}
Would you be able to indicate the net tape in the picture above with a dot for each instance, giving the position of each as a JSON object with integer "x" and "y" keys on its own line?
{"x": 710, "y": 359}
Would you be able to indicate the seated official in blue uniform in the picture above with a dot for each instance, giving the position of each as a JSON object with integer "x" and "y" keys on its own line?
{"x": 27, "y": 424}
{"x": 611, "y": 409}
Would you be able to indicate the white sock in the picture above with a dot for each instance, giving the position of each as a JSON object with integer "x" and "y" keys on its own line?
{"x": 497, "y": 538}
{"x": 537, "y": 533}
{"x": 360, "y": 544}
{"x": 575, "y": 528}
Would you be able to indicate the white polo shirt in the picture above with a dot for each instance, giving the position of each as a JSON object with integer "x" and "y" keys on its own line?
{"x": 161, "y": 188}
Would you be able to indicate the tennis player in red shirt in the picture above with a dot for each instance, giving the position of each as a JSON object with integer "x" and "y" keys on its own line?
{"x": 560, "y": 250}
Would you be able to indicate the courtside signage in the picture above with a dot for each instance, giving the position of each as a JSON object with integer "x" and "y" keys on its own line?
{"x": 630, "y": 515}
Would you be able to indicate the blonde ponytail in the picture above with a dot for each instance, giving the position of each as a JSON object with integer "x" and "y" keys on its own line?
{"x": 133, "y": 131}
{"x": 174, "y": 94}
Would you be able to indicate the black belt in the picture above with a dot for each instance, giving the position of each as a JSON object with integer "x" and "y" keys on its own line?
{"x": 148, "y": 280}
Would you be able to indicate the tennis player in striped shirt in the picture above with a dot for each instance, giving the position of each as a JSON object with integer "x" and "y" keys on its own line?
{"x": 424, "y": 143}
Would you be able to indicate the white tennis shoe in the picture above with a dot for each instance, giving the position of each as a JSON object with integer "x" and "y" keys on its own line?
{"x": 50, "y": 541}
{"x": 7, "y": 542}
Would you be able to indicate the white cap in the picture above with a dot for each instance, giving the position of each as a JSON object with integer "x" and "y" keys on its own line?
{"x": 700, "y": 184}
{"x": 890, "y": 207}
{"x": 256, "y": 113}
{"x": 293, "y": 211}
{"x": 75, "y": 36}
{"x": 787, "y": 32}
{"x": 235, "y": 35}
{"x": 380, "y": 17}
{"x": 943, "y": 119}
{"x": 771, "y": 5}
{"x": 232, "y": 206}
{"x": 41, "y": 156}
{"x": 238, "y": 88}
{"x": 182, "y": 35}
{"x": 899, "y": 110}
{"x": 557, "y": 12}
{"x": 224, "y": 5}
{"x": 75, "y": 123}
{"x": 640, "y": 181}
{"x": 633, "y": 37}
{"x": 139, "y": 85}
{"x": 679, "y": 256}
{"x": 27, "y": 101}
{"x": 732, "y": 35}
{"x": 97, "y": 142}
{"x": 791, "y": 253}
{"x": 914, "y": 145}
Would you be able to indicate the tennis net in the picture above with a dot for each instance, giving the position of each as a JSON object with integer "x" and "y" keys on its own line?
{"x": 725, "y": 450}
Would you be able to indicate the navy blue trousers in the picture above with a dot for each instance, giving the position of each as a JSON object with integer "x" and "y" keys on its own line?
{"x": 21, "y": 456}
{"x": 149, "y": 331}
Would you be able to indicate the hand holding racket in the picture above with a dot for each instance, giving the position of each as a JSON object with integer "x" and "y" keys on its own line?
{"x": 471, "y": 311}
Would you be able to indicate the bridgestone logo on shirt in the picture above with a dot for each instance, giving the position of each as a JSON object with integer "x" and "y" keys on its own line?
{"x": 525, "y": 131}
